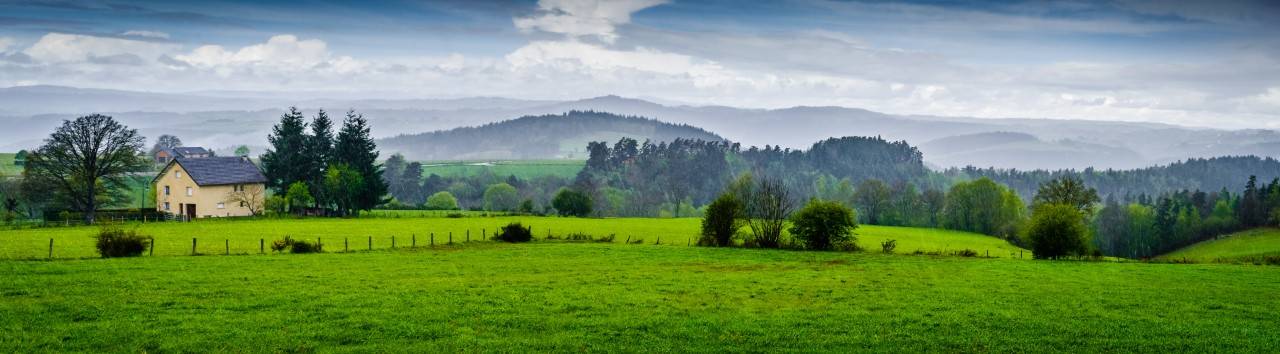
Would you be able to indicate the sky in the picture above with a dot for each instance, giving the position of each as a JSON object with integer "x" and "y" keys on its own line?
{"x": 1209, "y": 63}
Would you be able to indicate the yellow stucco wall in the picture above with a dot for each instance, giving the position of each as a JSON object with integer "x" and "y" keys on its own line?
{"x": 205, "y": 198}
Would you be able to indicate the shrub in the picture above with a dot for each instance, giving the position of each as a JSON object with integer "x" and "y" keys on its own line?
{"x": 282, "y": 244}
{"x": 888, "y": 246}
{"x": 514, "y": 232}
{"x": 577, "y": 236}
{"x": 721, "y": 221}
{"x": 442, "y": 200}
{"x": 1056, "y": 230}
{"x": 966, "y": 253}
{"x": 115, "y": 242}
{"x": 607, "y": 239}
{"x": 300, "y": 246}
{"x": 501, "y": 197}
{"x": 454, "y": 215}
{"x": 823, "y": 225}
{"x": 569, "y": 202}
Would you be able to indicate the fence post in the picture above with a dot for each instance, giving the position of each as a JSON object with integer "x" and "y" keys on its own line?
{"x": 51, "y": 248}
{"x": 151, "y": 251}
{"x": 228, "y": 245}
{"x": 393, "y": 241}
{"x": 346, "y": 244}
{"x": 193, "y": 246}
{"x": 433, "y": 239}
{"x": 468, "y": 235}
{"x": 320, "y": 243}
{"x": 450, "y": 237}
{"x": 370, "y": 243}
{"x": 659, "y": 241}
{"x": 628, "y": 240}
{"x": 262, "y": 245}
{"x": 414, "y": 242}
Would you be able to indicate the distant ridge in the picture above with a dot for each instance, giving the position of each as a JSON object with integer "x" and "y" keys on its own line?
{"x": 552, "y": 136}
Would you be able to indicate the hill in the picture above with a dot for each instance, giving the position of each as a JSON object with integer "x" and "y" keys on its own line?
{"x": 553, "y": 136}
{"x": 1025, "y": 150}
{"x": 1252, "y": 246}
{"x": 1210, "y": 175}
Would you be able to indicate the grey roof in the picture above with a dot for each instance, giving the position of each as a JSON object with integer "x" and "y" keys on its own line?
{"x": 190, "y": 150}
{"x": 211, "y": 171}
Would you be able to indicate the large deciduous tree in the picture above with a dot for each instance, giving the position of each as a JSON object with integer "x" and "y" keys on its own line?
{"x": 1069, "y": 191}
{"x": 165, "y": 141}
{"x": 86, "y": 161}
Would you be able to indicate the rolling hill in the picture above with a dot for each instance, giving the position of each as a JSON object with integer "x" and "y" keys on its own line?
{"x": 557, "y": 136}
{"x": 1251, "y": 246}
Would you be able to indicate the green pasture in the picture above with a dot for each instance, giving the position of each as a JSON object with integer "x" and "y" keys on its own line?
{"x": 523, "y": 169}
{"x": 587, "y": 297}
{"x": 7, "y": 168}
{"x": 1244, "y": 246}
{"x": 243, "y": 236}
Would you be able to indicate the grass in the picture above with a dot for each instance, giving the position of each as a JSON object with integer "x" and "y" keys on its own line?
{"x": 523, "y": 169}
{"x": 7, "y": 168}
{"x": 242, "y": 236}
{"x": 1245, "y": 246}
{"x": 556, "y": 296}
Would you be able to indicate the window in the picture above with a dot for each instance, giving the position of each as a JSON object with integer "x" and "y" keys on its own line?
{"x": 189, "y": 193}
{"x": 222, "y": 205}
{"x": 166, "y": 191}
{"x": 166, "y": 204}
{"x": 242, "y": 204}
{"x": 177, "y": 174}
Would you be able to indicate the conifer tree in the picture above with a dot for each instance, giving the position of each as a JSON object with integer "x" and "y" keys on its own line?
{"x": 288, "y": 142}
{"x": 355, "y": 148}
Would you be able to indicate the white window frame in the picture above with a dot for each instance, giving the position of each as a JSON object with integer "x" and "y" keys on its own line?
{"x": 166, "y": 206}
{"x": 177, "y": 174}
{"x": 190, "y": 192}
{"x": 222, "y": 205}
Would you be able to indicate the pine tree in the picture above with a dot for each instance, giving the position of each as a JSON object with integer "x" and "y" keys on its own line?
{"x": 318, "y": 156}
{"x": 355, "y": 148}
{"x": 288, "y": 142}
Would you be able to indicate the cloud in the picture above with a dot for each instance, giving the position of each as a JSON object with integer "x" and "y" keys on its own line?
{"x": 146, "y": 34}
{"x": 70, "y": 48}
{"x": 281, "y": 52}
{"x": 5, "y": 43}
{"x": 583, "y": 18}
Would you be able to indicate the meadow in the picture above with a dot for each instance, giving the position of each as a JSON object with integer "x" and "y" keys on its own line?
{"x": 523, "y": 169}
{"x": 1245, "y": 246}
{"x": 7, "y": 168}
{"x": 560, "y": 296}
{"x": 246, "y": 236}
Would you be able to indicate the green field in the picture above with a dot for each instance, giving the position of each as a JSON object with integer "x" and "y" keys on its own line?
{"x": 523, "y": 169}
{"x": 558, "y": 296}
{"x": 1244, "y": 246}
{"x": 7, "y": 168}
{"x": 243, "y": 236}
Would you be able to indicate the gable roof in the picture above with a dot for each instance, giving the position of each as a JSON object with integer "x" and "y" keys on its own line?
{"x": 190, "y": 150}
{"x": 212, "y": 171}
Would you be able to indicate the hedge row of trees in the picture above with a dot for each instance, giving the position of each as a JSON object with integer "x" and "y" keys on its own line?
{"x": 338, "y": 174}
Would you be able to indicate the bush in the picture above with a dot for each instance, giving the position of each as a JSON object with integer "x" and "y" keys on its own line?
{"x": 454, "y": 215}
{"x": 569, "y": 202}
{"x": 501, "y": 197}
{"x": 514, "y": 232}
{"x": 888, "y": 246}
{"x": 823, "y": 225}
{"x": 721, "y": 221}
{"x": 1056, "y": 230}
{"x": 966, "y": 253}
{"x": 115, "y": 242}
{"x": 300, "y": 246}
{"x": 442, "y": 200}
{"x": 282, "y": 244}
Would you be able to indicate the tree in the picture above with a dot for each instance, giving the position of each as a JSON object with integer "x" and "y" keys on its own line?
{"x": 242, "y": 151}
{"x": 442, "y": 200}
{"x": 1069, "y": 191}
{"x": 1251, "y": 211}
{"x": 721, "y": 221}
{"x": 87, "y": 160}
{"x": 1057, "y": 230}
{"x": 165, "y": 141}
{"x": 356, "y": 149}
{"x": 501, "y": 197}
{"x": 343, "y": 186}
{"x": 251, "y": 196}
{"x": 318, "y": 157}
{"x": 822, "y": 225}
{"x": 768, "y": 205}
{"x": 569, "y": 202}
{"x": 985, "y": 207}
{"x": 299, "y": 197}
{"x": 285, "y": 163}
{"x": 872, "y": 199}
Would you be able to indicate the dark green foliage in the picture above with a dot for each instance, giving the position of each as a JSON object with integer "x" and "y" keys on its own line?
{"x": 985, "y": 207}
{"x": 721, "y": 221}
{"x": 873, "y": 200}
{"x": 1067, "y": 191}
{"x": 116, "y": 242}
{"x": 569, "y": 202}
{"x": 301, "y": 246}
{"x": 1057, "y": 230}
{"x": 768, "y": 204}
{"x": 441, "y": 201}
{"x": 282, "y": 244}
{"x": 823, "y": 225}
{"x": 355, "y": 148}
{"x": 526, "y": 207}
{"x": 86, "y": 162}
{"x": 514, "y": 232}
{"x": 285, "y": 162}
{"x": 343, "y": 187}
{"x": 888, "y": 246}
{"x": 501, "y": 197}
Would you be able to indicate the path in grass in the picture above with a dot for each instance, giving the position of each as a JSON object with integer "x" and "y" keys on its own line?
{"x": 555, "y": 296}
{"x": 242, "y": 236}
{"x": 1244, "y": 246}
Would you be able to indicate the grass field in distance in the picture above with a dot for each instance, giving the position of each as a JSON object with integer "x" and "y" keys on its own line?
{"x": 524, "y": 169}
{"x": 1244, "y": 246}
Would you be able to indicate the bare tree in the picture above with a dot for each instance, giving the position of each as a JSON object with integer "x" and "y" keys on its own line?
{"x": 165, "y": 141}
{"x": 250, "y": 196}
{"x": 768, "y": 206}
{"x": 86, "y": 160}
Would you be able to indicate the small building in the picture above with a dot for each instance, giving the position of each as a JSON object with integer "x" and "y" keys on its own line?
{"x": 210, "y": 187}
{"x": 165, "y": 155}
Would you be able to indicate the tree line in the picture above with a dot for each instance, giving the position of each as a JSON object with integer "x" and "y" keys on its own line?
{"x": 335, "y": 174}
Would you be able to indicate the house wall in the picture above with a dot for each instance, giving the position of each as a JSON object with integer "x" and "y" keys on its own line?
{"x": 206, "y": 198}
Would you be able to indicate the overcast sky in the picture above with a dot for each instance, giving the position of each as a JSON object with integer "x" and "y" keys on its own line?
{"x": 1192, "y": 63}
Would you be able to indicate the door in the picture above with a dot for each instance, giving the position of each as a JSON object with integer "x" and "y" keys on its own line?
{"x": 191, "y": 211}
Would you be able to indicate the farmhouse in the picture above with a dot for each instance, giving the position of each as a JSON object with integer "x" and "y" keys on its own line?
{"x": 165, "y": 155}
{"x": 210, "y": 187}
